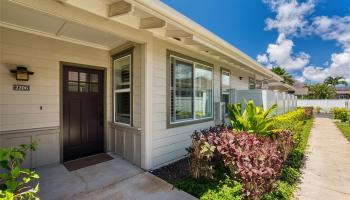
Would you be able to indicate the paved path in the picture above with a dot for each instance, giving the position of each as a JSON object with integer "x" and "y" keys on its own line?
{"x": 116, "y": 179}
{"x": 327, "y": 172}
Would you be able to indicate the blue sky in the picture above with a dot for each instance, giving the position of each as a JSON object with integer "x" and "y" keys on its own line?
{"x": 313, "y": 35}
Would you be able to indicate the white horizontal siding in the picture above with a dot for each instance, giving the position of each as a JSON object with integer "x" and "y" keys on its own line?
{"x": 21, "y": 109}
{"x": 170, "y": 144}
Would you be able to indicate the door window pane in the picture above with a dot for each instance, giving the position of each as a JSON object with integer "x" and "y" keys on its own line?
{"x": 82, "y": 77}
{"x": 72, "y": 76}
{"x": 93, "y": 87}
{"x": 183, "y": 89}
{"x": 72, "y": 86}
{"x": 93, "y": 78}
{"x": 203, "y": 92}
{"x": 83, "y": 87}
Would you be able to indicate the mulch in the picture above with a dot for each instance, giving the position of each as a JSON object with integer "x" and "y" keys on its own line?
{"x": 173, "y": 172}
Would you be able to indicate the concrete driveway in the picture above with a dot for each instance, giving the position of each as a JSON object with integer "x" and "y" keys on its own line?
{"x": 114, "y": 179}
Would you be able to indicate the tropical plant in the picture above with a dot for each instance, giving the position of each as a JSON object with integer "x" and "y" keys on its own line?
{"x": 255, "y": 160}
{"x": 287, "y": 78}
{"x": 321, "y": 91}
{"x": 15, "y": 182}
{"x": 253, "y": 119}
{"x": 334, "y": 81}
{"x": 200, "y": 154}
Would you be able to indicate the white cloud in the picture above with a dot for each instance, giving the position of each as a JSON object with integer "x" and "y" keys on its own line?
{"x": 338, "y": 29}
{"x": 300, "y": 79}
{"x": 340, "y": 66}
{"x": 281, "y": 54}
{"x": 316, "y": 74}
{"x": 290, "y": 16}
{"x": 291, "y": 21}
{"x": 333, "y": 28}
{"x": 262, "y": 58}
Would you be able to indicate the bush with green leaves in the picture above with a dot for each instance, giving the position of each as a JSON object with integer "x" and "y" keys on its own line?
{"x": 253, "y": 119}
{"x": 15, "y": 182}
{"x": 290, "y": 175}
{"x": 340, "y": 113}
{"x": 222, "y": 187}
{"x": 282, "y": 191}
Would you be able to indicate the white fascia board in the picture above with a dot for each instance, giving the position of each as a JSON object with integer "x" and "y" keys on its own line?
{"x": 174, "y": 17}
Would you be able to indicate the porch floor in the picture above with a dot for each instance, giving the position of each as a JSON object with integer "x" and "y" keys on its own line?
{"x": 114, "y": 179}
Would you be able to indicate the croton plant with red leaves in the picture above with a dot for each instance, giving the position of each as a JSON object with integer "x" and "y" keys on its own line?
{"x": 254, "y": 160}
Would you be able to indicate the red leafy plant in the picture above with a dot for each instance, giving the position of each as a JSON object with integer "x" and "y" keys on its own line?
{"x": 255, "y": 160}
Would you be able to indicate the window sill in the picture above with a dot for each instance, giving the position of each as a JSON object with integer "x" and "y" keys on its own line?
{"x": 116, "y": 124}
{"x": 187, "y": 123}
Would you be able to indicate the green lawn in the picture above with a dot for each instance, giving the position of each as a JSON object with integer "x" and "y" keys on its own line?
{"x": 344, "y": 128}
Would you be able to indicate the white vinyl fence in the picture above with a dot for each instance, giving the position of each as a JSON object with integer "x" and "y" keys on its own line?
{"x": 324, "y": 104}
{"x": 266, "y": 98}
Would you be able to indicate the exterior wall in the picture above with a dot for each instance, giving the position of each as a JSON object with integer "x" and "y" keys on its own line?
{"x": 170, "y": 144}
{"x": 122, "y": 139}
{"x": 20, "y": 110}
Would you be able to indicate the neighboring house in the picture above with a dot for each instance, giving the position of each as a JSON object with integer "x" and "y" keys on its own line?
{"x": 132, "y": 77}
{"x": 343, "y": 93}
{"x": 301, "y": 89}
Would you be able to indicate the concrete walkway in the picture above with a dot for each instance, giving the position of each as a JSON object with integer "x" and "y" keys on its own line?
{"x": 327, "y": 171}
{"x": 115, "y": 179}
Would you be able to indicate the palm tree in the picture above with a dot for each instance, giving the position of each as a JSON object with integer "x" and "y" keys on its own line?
{"x": 321, "y": 91}
{"x": 287, "y": 78}
{"x": 334, "y": 81}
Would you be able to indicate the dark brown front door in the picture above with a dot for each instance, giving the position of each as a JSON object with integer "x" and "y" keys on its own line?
{"x": 82, "y": 112}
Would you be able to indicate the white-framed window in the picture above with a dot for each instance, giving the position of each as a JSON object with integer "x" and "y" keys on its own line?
{"x": 191, "y": 90}
{"x": 225, "y": 87}
{"x": 252, "y": 83}
{"x": 258, "y": 84}
{"x": 122, "y": 91}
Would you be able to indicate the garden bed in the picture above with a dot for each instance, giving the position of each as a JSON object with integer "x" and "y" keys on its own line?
{"x": 244, "y": 163}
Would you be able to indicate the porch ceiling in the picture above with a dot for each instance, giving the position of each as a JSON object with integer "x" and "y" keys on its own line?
{"x": 167, "y": 24}
{"x": 25, "y": 19}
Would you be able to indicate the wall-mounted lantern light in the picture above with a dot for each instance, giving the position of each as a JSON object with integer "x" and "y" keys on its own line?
{"x": 22, "y": 73}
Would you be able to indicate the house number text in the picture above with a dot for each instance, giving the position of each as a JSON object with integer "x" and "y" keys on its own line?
{"x": 21, "y": 87}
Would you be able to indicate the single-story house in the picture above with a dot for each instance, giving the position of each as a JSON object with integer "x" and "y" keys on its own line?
{"x": 342, "y": 92}
{"x": 131, "y": 77}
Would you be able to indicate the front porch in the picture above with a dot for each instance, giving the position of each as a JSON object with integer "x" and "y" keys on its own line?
{"x": 114, "y": 179}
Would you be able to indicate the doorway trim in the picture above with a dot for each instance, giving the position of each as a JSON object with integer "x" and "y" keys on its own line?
{"x": 104, "y": 70}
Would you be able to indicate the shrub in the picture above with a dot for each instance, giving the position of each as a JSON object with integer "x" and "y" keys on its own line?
{"x": 228, "y": 189}
{"x": 222, "y": 187}
{"x": 253, "y": 119}
{"x": 309, "y": 112}
{"x": 282, "y": 191}
{"x": 340, "y": 113}
{"x": 201, "y": 153}
{"x": 15, "y": 183}
{"x": 291, "y": 121}
{"x": 256, "y": 161}
{"x": 290, "y": 175}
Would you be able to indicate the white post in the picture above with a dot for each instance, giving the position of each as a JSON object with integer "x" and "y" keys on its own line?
{"x": 146, "y": 105}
